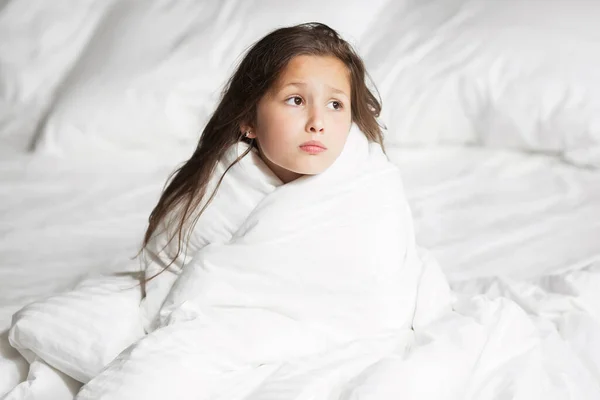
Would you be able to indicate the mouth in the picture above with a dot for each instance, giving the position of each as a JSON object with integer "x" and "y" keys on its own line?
{"x": 313, "y": 147}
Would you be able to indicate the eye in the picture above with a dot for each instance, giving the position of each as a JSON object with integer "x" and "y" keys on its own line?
{"x": 336, "y": 105}
{"x": 294, "y": 101}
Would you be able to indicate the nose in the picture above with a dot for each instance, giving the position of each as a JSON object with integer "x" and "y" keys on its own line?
{"x": 315, "y": 122}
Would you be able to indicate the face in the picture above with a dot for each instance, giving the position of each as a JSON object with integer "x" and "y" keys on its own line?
{"x": 309, "y": 102}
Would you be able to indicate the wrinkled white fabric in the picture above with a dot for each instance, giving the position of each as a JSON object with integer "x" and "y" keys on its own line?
{"x": 322, "y": 293}
{"x": 318, "y": 263}
{"x": 244, "y": 186}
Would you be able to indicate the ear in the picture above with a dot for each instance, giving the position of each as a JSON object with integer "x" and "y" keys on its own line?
{"x": 245, "y": 128}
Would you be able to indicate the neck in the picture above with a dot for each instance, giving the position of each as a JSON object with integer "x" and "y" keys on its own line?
{"x": 283, "y": 174}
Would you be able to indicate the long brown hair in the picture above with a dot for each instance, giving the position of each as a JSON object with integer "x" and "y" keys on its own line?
{"x": 254, "y": 76}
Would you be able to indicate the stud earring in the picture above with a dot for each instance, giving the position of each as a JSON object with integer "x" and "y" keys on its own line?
{"x": 247, "y": 134}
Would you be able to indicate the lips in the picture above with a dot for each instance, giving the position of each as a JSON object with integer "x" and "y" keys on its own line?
{"x": 313, "y": 147}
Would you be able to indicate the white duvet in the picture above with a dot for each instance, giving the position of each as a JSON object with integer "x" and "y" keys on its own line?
{"x": 321, "y": 293}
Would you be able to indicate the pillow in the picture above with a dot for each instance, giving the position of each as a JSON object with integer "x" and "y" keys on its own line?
{"x": 152, "y": 74}
{"x": 509, "y": 74}
{"x": 81, "y": 331}
{"x": 43, "y": 42}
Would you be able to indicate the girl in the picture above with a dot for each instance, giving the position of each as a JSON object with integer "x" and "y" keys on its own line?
{"x": 291, "y": 103}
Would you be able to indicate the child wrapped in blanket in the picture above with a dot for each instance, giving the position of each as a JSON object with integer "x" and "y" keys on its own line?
{"x": 287, "y": 233}
{"x": 281, "y": 261}
{"x": 286, "y": 114}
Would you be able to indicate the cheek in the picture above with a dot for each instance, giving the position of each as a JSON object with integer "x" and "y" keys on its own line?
{"x": 276, "y": 125}
{"x": 342, "y": 126}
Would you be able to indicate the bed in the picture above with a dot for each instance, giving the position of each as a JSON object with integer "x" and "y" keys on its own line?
{"x": 492, "y": 115}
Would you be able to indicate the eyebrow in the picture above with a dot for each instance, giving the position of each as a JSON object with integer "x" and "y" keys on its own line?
{"x": 333, "y": 89}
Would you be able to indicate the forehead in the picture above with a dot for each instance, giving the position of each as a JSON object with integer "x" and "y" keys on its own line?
{"x": 319, "y": 69}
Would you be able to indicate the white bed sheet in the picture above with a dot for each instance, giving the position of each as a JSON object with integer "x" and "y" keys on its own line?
{"x": 60, "y": 223}
{"x": 487, "y": 212}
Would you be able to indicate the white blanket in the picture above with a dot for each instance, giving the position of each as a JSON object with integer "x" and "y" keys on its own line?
{"x": 319, "y": 262}
{"x": 321, "y": 293}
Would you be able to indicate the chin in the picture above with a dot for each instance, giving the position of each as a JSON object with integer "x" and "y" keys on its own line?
{"x": 313, "y": 169}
